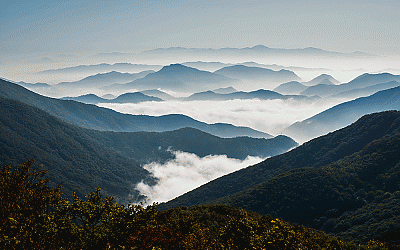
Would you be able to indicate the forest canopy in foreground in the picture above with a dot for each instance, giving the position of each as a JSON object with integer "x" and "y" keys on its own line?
{"x": 35, "y": 216}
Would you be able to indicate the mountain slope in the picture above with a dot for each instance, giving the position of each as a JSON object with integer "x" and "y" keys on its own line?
{"x": 77, "y": 161}
{"x": 359, "y": 92}
{"x": 84, "y": 159}
{"x": 227, "y": 90}
{"x": 362, "y": 81}
{"x": 88, "y": 99}
{"x": 93, "y": 117}
{"x": 104, "y": 79}
{"x": 260, "y": 94}
{"x": 147, "y": 147}
{"x": 104, "y": 67}
{"x": 316, "y": 153}
{"x": 157, "y": 93}
{"x": 255, "y": 51}
{"x": 290, "y": 88}
{"x": 343, "y": 114}
{"x": 136, "y": 97}
{"x": 344, "y": 183}
{"x": 257, "y": 74}
{"x": 336, "y": 198}
{"x": 323, "y": 78}
{"x": 181, "y": 78}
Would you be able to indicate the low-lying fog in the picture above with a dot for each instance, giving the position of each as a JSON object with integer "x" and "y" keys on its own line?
{"x": 187, "y": 172}
{"x": 269, "y": 116}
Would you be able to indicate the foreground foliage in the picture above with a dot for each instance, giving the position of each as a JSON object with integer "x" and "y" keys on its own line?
{"x": 35, "y": 216}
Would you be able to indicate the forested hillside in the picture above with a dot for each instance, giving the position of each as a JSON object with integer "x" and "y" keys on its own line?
{"x": 77, "y": 161}
{"x": 84, "y": 159}
{"x": 35, "y": 216}
{"x": 344, "y": 183}
{"x": 151, "y": 146}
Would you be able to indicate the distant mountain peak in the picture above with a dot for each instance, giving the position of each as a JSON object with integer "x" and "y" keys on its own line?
{"x": 313, "y": 49}
{"x": 175, "y": 67}
{"x": 259, "y": 47}
{"x": 322, "y": 79}
{"x": 226, "y": 90}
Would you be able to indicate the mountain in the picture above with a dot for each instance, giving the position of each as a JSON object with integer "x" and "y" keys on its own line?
{"x": 181, "y": 78}
{"x": 344, "y": 114}
{"x": 359, "y": 92}
{"x": 85, "y": 159}
{"x": 362, "y": 81}
{"x": 279, "y": 67}
{"x": 227, "y": 90}
{"x": 259, "y": 94}
{"x": 326, "y": 82}
{"x": 93, "y": 117}
{"x": 136, "y": 97}
{"x": 89, "y": 99}
{"x": 206, "y": 66}
{"x": 256, "y": 51}
{"x": 290, "y": 88}
{"x": 213, "y": 66}
{"x": 345, "y": 183}
{"x": 77, "y": 161}
{"x": 257, "y": 74}
{"x": 108, "y": 96}
{"x": 146, "y": 147}
{"x": 322, "y": 90}
{"x": 322, "y": 79}
{"x": 104, "y": 79}
{"x": 318, "y": 152}
{"x": 102, "y": 68}
{"x": 33, "y": 85}
{"x": 366, "y": 80}
{"x": 158, "y": 93}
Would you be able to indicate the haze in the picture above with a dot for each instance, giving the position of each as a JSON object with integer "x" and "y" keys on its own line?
{"x": 341, "y": 38}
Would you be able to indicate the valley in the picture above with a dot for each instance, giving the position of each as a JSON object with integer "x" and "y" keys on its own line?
{"x": 199, "y": 125}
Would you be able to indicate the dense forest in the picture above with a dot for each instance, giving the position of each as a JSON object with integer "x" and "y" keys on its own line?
{"x": 77, "y": 161}
{"x": 36, "y": 216}
{"x": 83, "y": 159}
{"x": 345, "y": 183}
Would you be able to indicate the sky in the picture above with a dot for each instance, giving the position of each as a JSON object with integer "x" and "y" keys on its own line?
{"x": 36, "y": 35}
{"x": 59, "y": 28}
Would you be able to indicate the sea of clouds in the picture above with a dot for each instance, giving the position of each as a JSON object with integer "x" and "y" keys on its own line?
{"x": 270, "y": 116}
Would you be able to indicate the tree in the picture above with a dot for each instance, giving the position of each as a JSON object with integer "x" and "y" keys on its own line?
{"x": 32, "y": 213}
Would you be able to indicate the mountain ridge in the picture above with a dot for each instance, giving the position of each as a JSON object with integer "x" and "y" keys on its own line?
{"x": 93, "y": 117}
{"x": 343, "y": 114}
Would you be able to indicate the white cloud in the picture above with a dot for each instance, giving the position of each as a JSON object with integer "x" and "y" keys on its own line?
{"x": 187, "y": 172}
{"x": 269, "y": 116}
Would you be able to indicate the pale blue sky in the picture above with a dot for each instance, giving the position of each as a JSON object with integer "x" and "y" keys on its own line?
{"x": 55, "y": 27}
